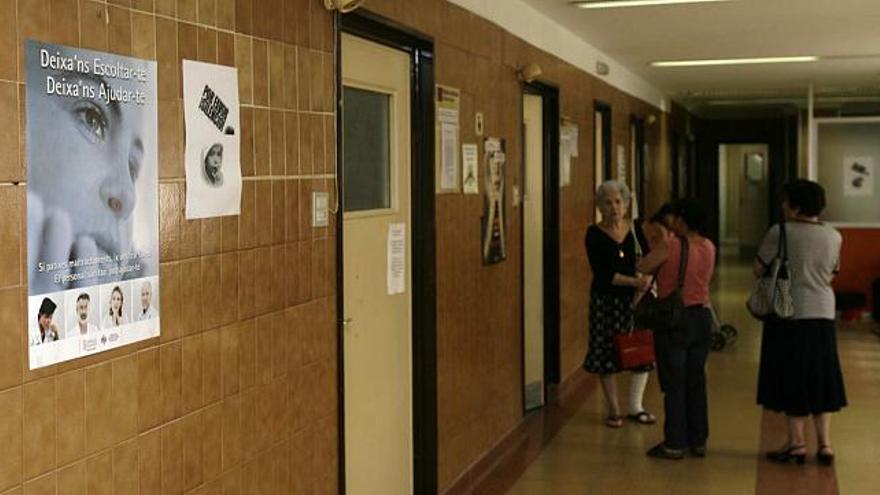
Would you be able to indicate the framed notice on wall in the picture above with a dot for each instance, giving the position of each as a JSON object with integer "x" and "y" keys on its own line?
{"x": 93, "y": 210}
{"x": 847, "y": 153}
{"x": 448, "y": 178}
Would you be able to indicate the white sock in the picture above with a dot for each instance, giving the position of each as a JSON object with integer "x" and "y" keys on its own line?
{"x": 637, "y": 384}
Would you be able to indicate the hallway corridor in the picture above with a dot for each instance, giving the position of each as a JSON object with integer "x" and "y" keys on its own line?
{"x": 586, "y": 457}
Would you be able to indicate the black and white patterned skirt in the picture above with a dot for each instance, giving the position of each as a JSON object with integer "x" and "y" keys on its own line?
{"x": 609, "y": 314}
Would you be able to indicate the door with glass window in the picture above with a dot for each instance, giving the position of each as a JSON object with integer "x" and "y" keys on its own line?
{"x": 376, "y": 268}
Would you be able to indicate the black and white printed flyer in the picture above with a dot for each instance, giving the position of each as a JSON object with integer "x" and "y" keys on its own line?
{"x": 213, "y": 140}
{"x": 92, "y": 202}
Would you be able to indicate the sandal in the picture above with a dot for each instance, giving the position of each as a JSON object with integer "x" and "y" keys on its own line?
{"x": 825, "y": 456}
{"x": 614, "y": 421}
{"x": 643, "y": 417}
{"x": 789, "y": 453}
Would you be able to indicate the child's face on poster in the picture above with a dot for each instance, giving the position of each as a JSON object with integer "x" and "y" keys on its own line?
{"x": 88, "y": 162}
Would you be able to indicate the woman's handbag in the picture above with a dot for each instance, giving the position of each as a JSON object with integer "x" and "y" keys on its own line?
{"x": 635, "y": 349}
{"x": 771, "y": 295}
{"x": 664, "y": 314}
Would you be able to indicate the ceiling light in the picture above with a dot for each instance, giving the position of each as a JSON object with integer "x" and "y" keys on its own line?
{"x": 610, "y": 4}
{"x": 733, "y": 61}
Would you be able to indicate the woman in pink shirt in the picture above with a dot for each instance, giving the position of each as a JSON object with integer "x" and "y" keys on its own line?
{"x": 682, "y": 351}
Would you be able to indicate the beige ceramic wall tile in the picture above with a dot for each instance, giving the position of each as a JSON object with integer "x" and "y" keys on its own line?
{"x": 143, "y": 36}
{"x": 93, "y": 25}
{"x": 230, "y": 360}
{"x": 207, "y": 45}
{"x": 41, "y": 486}
{"x": 64, "y": 22}
{"x": 11, "y": 410}
{"x": 119, "y": 30}
{"x": 39, "y": 427}
{"x": 187, "y": 10}
{"x": 99, "y": 412}
{"x": 207, "y": 12}
{"x": 72, "y": 479}
{"x": 149, "y": 389}
{"x": 226, "y": 14}
{"x": 212, "y": 387}
{"x": 263, "y": 215}
{"x": 144, "y": 5}
{"x": 192, "y": 391}
{"x": 279, "y": 211}
{"x": 9, "y": 54}
{"x": 10, "y": 235}
{"x": 261, "y": 72}
{"x": 150, "y": 462}
{"x": 277, "y": 147}
{"x": 126, "y": 404}
{"x": 226, "y": 49}
{"x": 126, "y": 474}
{"x": 247, "y": 288}
{"x": 229, "y": 276}
{"x": 10, "y": 169}
{"x": 262, "y": 142}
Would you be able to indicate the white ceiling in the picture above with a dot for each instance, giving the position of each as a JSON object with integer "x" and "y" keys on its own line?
{"x": 846, "y": 31}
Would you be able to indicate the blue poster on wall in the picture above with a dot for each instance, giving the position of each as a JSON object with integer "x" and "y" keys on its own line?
{"x": 92, "y": 202}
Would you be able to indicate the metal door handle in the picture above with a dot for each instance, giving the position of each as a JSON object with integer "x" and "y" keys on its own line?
{"x": 347, "y": 321}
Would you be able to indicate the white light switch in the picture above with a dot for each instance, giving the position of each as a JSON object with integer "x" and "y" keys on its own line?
{"x": 320, "y": 207}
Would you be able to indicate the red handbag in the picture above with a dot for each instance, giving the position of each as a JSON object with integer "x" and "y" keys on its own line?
{"x": 634, "y": 349}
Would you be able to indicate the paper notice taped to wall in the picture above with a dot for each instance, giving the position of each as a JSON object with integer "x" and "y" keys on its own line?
{"x": 396, "y": 258}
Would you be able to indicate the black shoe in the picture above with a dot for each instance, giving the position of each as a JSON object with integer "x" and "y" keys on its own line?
{"x": 698, "y": 451}
{"x": 787, "y": 454}
{"x": 825, "y": 457}
{"x": 661, "y": 451}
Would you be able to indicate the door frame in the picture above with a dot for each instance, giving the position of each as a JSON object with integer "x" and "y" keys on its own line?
{"x": 420, "y": 49}
{"x": 550, "y": 226}
{"x": 637, "y": 125}
{"x": 779, "y": 133}
{"x": 605, "y": 109}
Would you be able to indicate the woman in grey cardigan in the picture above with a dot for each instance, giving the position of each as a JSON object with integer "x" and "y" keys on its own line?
{"x": 800, "y": 372}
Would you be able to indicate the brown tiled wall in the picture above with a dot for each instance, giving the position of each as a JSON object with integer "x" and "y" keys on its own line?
{"x": 479, "y": 327}
{"x": 238, "y": 396}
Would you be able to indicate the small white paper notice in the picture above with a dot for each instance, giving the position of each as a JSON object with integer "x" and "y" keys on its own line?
{"x": 470, "y": 166}
{"x": 213, "y": 140}
{"x": 449, "y": 155}
{"x": 568, "y": 149}
{"x": 621, "y": 163}
{"x": 396, "y": 258}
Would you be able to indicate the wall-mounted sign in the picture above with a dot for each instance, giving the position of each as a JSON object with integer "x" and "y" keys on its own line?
{"x": 93, "y": 211}
{"x": 213, "y": 140}
{"x": 448, "y": 178}
{"x": 493, "y": 238}
{"x": 470, "y": 161}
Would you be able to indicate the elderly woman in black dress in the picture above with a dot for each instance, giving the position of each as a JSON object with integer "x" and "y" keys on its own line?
{"x": 800, "y": 371}
{"x": 612, "y": 251}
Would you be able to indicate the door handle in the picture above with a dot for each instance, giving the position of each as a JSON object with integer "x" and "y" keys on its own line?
{"x": 347, "y": 321}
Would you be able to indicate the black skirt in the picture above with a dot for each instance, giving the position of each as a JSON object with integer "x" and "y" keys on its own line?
{"x": 610, "y": 314}
{"x": 799, "y": 373}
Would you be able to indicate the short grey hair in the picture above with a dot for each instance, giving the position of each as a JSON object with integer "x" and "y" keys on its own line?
{"x": 610, "y": 186}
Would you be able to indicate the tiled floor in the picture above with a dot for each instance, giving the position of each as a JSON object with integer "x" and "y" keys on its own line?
{"x": 586, "y": 457}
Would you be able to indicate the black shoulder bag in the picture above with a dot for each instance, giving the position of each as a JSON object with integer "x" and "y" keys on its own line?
{"x": 664, "y": 314}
